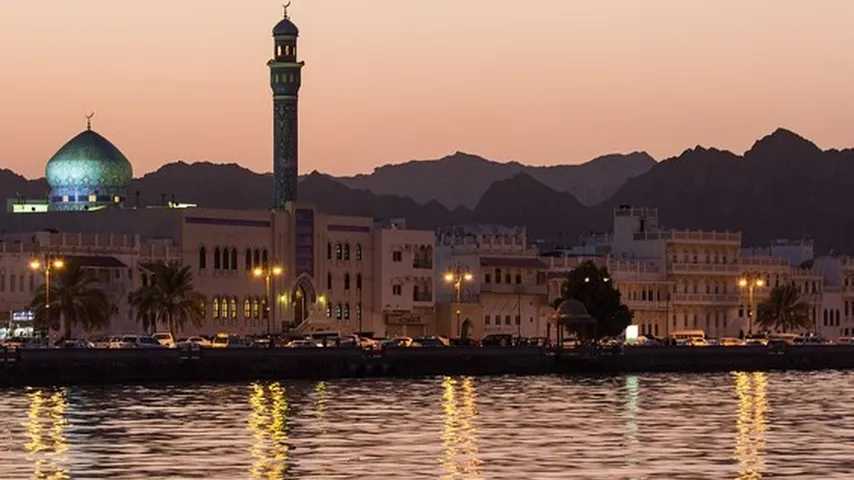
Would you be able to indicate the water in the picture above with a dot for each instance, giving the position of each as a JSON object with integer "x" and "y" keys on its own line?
{"x": 738, "y": 425}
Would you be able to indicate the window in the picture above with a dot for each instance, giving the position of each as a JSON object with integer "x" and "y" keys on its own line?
{"x": 359, "y": 252}
{"x": 518, "y": 320}
{"x": 346, "y": 311}
{"x": 507, "y": 320}
{"x": 339, "y": 252}
{"x": 397, "y": 256}
{"x": 497, "y": 275}
{"x": 264, "y": 308}
{"x": 234, "y": 308}
{"x": 329, "y": 281}
{"x": 396, "y": 290}
{"x": 346, "y": 281}
{"x": 507, "y": 278}
{"x": 359, "y": 281}
{"x": 358, "y": 311}
{"x": 203, "y": 258}
{"x": 346, "y": 251}
{"x": 234, "y": 259}
{"x": 338, "y": 312}
{"x": 225, "y": 261}
{"x": 329, "y": 250}
{"x": 487, "y": 278}
{"x": 256, "y": 308}
{"x": 2, "y": 282}
{"x": 328, "y": 310}
{"x": 247, "y": 309}
{"x": 215, "y": 307}
{"x": 217, "y": 264}
{"x": 518, "y": 279}
{"x": 248, "y": 260}
{"x": 256, "y": 258}
{"x": 486, "y": 320}
{"x": 265, "y": 259}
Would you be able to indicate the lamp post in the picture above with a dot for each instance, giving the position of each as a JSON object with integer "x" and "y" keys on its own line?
{"x": 47, "y": 265}
{"x": 267, "y": 274}
{"x": 456, "y": 277}
{"x": 750, "y": 282}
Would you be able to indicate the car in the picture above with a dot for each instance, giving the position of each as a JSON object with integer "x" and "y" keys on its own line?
{"x": 201, "y": 342}
{"x": 101, "y": 342}
{"x": 432, "y": 342}
{"x": 118, "y": 341}
{"x": 75, "y": 343}
{"x": 809, "y": 340}
{"x": 731, "y": 342}
{"x": 220, "y": 340}
{"x": 698, "y": 342}
{"x": 756, "y": 341}
{"x": 135, "y": 341}
{"x": 303, "y": 344}
{"x": 497, "y": 340}
{"x": 845, "y": 340}
{"x": 397, "y": 342}
{"x": 165, "y": 339}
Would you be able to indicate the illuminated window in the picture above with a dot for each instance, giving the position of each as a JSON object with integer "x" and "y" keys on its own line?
{"x": 347, "y": 251}
{"x": 338, "y": 312}
{"x": 346, "y": 311}
{"x": 233, "y": 308}
{"x": 256, "y": 308}
{"x": 328, "y": 310}
{"x": 215, "y": 308}
{"x": 339, "y": 251}
{"x": 359, "y": 252}
{"x": 247, "y": 309}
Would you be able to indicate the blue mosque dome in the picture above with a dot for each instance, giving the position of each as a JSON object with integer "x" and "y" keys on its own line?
{"x": 285, "y": 28}
{"x": 88, "y": 173}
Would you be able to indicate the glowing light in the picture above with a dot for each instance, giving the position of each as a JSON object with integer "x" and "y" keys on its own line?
{"x": 59, "y": 264}
{"x": 760, "y": 283}
{"x": 468, "y": 277}
{"x": 742, "y": 282}
{"x": 35, "y": 265}
{"x": 258, "y": 272}
{"x": 449, "y": 277}
{"x": 278, "y": 271}
{"x": 632, "y": 334}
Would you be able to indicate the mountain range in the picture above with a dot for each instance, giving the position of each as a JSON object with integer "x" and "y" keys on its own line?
{"x": 784, "y": 186}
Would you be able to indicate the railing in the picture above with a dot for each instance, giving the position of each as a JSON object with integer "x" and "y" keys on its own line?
{"x": 764, "y": 260}
{"x": 717, "y": 298}
{"x": 690, "y": 235}
{"x": 731, "y": 268}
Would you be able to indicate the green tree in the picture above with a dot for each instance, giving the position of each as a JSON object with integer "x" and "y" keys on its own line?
{"x": 76, "y": 299}
{"x": 593, "y": 286}
{"x": 784, "y": 310}
{"x": 168, "y": 296}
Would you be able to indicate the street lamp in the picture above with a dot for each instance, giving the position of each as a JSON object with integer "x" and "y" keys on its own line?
{"x": 267, "y": 274}
{"x": 48, "y": 265}
{"x": 456, "y": 277}
{"x": 750, "y": 282}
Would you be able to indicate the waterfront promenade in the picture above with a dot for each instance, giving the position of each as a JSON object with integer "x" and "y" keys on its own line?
{"x": 104, "y": 366}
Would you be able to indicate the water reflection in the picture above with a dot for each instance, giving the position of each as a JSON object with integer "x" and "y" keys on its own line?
{"x": 459, "y": 433}
{"x": 45, "y": 427}
{"x": 631, "y": 415}
{"x": 268, "y": 423}
{"x": 751, "y": 424}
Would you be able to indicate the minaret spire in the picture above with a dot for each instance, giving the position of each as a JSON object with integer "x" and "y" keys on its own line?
{"x": 89, "y": 121}
{"x": 285, "y": 9}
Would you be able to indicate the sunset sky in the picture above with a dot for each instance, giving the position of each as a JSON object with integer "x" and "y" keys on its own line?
{"x": 386, "y": 81}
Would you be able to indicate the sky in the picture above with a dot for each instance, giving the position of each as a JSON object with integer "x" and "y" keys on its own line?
{"x": 542, "y": 82}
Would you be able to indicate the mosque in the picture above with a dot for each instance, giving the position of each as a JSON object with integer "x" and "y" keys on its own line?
{"x": 318, "y": 271}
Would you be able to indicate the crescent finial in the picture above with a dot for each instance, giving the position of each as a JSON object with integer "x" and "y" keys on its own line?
{"x": 89, "y": 121}
{"x": 285, "y": 8}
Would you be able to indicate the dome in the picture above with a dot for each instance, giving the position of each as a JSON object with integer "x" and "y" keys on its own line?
{"x": 86, "y": 172}
{"x": 285, "y": 28}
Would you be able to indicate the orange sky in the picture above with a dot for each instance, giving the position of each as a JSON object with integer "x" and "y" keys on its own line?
{"x": 541, "y": 81}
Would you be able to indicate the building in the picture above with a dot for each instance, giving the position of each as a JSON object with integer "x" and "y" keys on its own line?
{"x": 288, "y": 269}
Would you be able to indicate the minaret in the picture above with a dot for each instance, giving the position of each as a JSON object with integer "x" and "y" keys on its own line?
{"x": 285, "y": 79}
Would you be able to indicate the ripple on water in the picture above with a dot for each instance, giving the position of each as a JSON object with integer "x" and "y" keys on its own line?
{"x": 737, "y": 425}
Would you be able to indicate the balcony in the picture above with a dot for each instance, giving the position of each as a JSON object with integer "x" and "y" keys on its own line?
{"x": 513, "y": 289}
{"x": 707, "y": 298}
{"x": 705, "y": 268}
{"x": 656, "y": 305}
{"x": 691, "y": 236}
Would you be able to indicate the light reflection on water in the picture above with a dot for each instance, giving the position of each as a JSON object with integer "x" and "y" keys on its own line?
{"x": 739, "y": 425}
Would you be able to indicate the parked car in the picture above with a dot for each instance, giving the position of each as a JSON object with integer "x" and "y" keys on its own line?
{"x": 76, "y": 343}
{"x": 845, "y": 340}
{"x": 497, "y": 340}
{"x": 731, "y": 342}
{"x": 135, "y": 341}
{"x": 303, "y": 344}
{"x": 101, "y": 342}
{"x": 165, "y": 339}
{"x": 201, "y": 342}
{"x": 756, "y": 340}
{"x": 397, "y": 342}
{"x": 698, "y": 342}
{"x": 431, "y": 342}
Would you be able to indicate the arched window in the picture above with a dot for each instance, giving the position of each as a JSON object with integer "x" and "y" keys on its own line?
{"x": 256, "y": 308}
{"x": 257, "y": 258}
{"x": 338, "y": 311}
{"x": 225, "y": 262}
{"x": 329, "y": 281}
{"x": 203, "y": 258}
{"x": 234, "y": 259}
{"x": 265, "y": 259}
{"x": 264, "y": 309}
{"x": 359, "y": 252}
{"x": 247, "y": 309}
{"x": 346, "y": 311}
{"x": 346, "y": 281}
{"x": 215, "y": 307}
{"x": 339, "y": 252}
{"x": 233, "y": 308}
{"x": 497, "y": 275}
{"x": 359, "y": 281}
{"x": 346, "y": 251}
{"x": 329, "y": 250}
{"x": 328, "y": 310}
{"x": 216, "y": 259}
{"x": 248, "y": 260}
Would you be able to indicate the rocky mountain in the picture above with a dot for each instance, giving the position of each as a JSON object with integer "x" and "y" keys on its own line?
{"x": 461, "y": 179}
{"x": 13, "y": 185}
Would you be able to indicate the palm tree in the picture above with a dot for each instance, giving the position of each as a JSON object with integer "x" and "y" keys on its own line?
{"x": 784, "y": 310}
{"x": 75, "y": 299}
{"x": 168, "y": 296}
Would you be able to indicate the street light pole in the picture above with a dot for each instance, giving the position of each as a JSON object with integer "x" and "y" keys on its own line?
{"x": 47, "y": 265}
{"x": 268, "y": 275}
{"x": 750, "y": 282}
{"x": 456, "y": 277}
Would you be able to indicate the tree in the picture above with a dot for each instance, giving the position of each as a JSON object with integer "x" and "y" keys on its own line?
{"x": 593, "y": 286}
{"x": 168, "y": 296}
{"x": 784, "y": 310}
{"x": 75, "y": 299}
